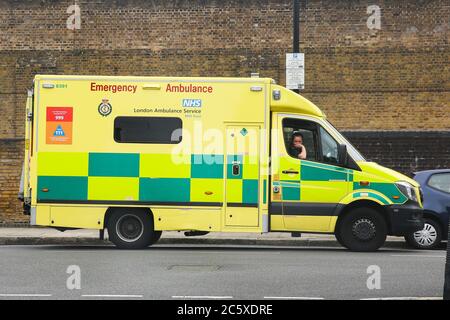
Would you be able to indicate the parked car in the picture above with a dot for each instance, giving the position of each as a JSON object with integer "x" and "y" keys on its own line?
{"x": 435, "y": 186}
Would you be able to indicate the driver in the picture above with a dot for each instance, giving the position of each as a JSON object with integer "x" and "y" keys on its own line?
{"x": 296, "y": 147}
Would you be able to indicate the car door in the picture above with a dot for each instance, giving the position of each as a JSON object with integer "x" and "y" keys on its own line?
{"x": 310, "y": 188}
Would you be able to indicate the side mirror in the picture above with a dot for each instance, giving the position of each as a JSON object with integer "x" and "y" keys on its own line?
{"x": 342, "y": 154}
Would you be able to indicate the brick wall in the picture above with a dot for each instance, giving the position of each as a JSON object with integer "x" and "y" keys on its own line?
{"x": 10, "y": 167}
{"x": 404, "y": 151}
{"x": 384, "y": 88}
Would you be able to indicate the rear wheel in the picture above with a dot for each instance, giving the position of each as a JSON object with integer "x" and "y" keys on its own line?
{"x": 362, "y": 229}
{"x": 428, "y": 238}
{"x": 132, "y": 229}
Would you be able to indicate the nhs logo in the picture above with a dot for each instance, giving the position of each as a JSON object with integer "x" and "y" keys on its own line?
{"x": 192, "y": 103}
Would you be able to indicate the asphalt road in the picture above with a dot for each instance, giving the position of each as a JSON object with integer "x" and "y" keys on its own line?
{"x": 216, "y": 272}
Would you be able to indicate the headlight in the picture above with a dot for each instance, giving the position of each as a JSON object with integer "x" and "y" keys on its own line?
{"x": 407, "y": 189}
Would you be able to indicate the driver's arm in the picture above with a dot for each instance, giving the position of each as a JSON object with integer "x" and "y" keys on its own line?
{"x": 302, "y": 155}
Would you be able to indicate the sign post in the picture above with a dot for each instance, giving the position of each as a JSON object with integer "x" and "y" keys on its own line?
{"x": 295, "y": 70}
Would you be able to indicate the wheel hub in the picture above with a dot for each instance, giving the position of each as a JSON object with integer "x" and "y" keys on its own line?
{"x": 129, "y": 228}
{"x": 427, "y": 236}
{"x": 364, "y": 229}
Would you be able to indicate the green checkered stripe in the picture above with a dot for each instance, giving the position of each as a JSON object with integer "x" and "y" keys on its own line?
{"x": 309, "y": 172}
{"x": 148, "y": 178}
{"x": 313, "y": 171}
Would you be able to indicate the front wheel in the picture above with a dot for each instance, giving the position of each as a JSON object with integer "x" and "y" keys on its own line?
{"x": 428, "y": 238}
{"x": 132, "y": 229}
{"x": 362, "y": 229}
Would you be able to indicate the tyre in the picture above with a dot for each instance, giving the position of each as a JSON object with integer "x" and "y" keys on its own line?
{"x": 339, "y": 240}
{"x": 156, "y": 236}
{"x": 362, "y": 229}
{"x": 428, "y": 238}
{"x": 132, "y": 229}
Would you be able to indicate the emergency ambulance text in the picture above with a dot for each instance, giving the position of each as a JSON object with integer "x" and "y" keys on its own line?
{"x": 113, "y": 87}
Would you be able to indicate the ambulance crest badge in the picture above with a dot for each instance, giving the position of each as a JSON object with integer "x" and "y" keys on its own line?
{"x": 105, "y": 108}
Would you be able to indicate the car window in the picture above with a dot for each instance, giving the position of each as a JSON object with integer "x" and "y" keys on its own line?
{"x": 156, "y": 130}
{"x": 307, "y": 129}
{"x": 329, "y": 147}
{"x": 440, "y": 181}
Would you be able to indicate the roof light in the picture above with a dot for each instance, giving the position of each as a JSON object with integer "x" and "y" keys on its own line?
{"x": 256, "y": 88}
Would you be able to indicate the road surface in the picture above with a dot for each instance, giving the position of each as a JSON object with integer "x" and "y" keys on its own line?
{"x": 217, "y": 272}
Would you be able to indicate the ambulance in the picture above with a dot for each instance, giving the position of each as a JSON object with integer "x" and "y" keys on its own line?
{"x": 141, "y": 155}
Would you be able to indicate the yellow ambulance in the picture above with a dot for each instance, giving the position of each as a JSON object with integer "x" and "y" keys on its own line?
{"x": 142, "y": 155}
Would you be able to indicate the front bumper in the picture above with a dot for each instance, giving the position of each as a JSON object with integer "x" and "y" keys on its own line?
{"x": 405, "y": 218}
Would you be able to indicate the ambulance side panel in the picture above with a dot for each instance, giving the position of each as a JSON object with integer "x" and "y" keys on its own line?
{"x": 84, "y": 164}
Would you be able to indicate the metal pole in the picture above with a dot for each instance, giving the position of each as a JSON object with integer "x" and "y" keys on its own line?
{"x": 447, "y": 268}
{"x": 296, "y": 26}
{"x": 296, "y": 30}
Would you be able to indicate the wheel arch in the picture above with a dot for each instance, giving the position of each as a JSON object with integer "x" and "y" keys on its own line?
{"x": 362, "y": 203}
{"x": 433, "y": 216}
{"x": 109, "y": 212}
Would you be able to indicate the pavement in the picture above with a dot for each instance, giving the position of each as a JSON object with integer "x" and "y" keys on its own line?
{"x": 221, "y": 272}
{"x": 44, "y": 236}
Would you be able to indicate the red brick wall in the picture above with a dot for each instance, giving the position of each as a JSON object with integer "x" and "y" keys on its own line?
{"x": 10, "y": 168}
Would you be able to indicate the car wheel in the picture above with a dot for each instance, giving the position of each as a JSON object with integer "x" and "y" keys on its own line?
{"x": 428, "y": 238}
{"x": 132, "y": 229}
{"x": 363, "y": 229}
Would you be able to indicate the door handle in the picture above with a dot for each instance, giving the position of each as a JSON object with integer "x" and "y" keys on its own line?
{"x": 290, "y": 171}
{"x": 236, "y": 169}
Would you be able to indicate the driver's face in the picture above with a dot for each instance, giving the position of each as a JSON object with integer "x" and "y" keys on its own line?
{"x": 298, "y": 141}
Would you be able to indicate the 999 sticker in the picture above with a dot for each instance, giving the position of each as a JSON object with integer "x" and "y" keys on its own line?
{"x": 59, "y": 125}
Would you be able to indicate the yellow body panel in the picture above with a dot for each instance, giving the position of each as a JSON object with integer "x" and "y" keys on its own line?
{"x": 293, "y": 103}
{"x": 113, "y": 188}
{"x": 320, "y": 224}
{"x": 205, "y": 219}
{"x": 26, "y": 172}
{"x": 376, "y": 173}
{"x": 63, "y": 164}
{"x": 241, "y": 217}
{"x": 77, "y": 217}
{"x": 207, "y": 190}
{"x": 234, "y": 188}
{"x": 43, "y": 217}
{"x": 165, "y": 166}
{"x": 324, "y": 191}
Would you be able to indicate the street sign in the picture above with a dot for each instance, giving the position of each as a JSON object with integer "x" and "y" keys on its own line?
{"x": 295, "y": 70}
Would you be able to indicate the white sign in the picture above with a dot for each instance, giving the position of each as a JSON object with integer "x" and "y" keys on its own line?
{"x": 295, "y": 70}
